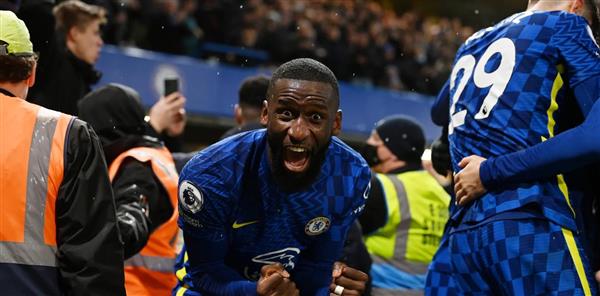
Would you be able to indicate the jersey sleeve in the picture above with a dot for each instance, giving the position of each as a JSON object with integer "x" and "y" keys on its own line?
{"x": 441, "y": 106}
{"x": 313, "y": 273}
{"x": 551, "y": 157}
{"x": 579, "y": 51}
{"x": 205, "y": 209}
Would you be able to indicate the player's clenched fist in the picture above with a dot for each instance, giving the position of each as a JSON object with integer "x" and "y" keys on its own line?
{"x": 347, "y": 281}
{"x": 274, "y": 281}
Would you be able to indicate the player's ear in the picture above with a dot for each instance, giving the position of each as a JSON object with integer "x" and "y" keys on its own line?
{"x": 576, "y": 6}
{"x": 237, "y": 114}
{"x": 264, "y": 116}
{"x": 337, "y": 123}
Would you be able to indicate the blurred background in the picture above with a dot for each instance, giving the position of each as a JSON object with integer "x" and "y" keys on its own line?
{"x": 391, "y": 56}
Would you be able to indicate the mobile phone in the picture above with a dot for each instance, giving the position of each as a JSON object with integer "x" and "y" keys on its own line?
{"x": 171, "y": 86}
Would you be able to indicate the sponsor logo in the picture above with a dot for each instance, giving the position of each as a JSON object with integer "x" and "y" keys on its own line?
{"x": 190, "y": 221}
{"x": 317, "y": 226}
{"x": 237, "y": 225}
{"x": 358, "y": 210}
{"x": 284, "y": 256}
{"x": 190, "y": 197}
{"x": 366, "y": 194}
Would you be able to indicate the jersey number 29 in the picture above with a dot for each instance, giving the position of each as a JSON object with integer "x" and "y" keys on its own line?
{"x": 497, "y": 79}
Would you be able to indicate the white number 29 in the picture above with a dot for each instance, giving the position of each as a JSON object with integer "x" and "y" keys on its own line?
{"x": 497, "y": 79}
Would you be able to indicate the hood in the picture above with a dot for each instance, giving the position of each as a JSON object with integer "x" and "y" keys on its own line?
{"x": 116, "y": 114}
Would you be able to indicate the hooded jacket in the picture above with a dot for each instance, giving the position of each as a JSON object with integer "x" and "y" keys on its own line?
{"x": 116, "y": 114}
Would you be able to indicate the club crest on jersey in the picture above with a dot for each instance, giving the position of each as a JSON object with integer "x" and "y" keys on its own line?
{"x": 190, "y": 197}
{"x": 317, "y": 226}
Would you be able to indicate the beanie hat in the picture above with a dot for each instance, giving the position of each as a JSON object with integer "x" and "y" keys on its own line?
{"x": 14, "y": 36}
{"x": 403, "y": 136}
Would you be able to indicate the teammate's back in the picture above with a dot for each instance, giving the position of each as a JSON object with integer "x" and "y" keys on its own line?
{"x": 507, "y": 88}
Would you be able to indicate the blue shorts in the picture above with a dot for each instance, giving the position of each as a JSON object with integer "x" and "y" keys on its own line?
{"x": 439, "y": 274}
{"x": 519, "y": 257}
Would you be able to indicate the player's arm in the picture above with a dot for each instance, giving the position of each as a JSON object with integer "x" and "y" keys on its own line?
{"x": 204, "y": 212}
{"x": 375, "y": 213}
{"x": 90, "y": 253}
{"x": 567, "y": 151}
{"x": 441, "y": 106}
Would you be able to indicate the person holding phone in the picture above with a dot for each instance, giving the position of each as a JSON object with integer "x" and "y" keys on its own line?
{"x": 167, "y": 116}
{"x": 144, "y": 181}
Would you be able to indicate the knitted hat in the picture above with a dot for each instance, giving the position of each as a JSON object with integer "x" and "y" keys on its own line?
{"x": 403, "y": 136}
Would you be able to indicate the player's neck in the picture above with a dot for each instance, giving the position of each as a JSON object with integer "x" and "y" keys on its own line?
{"x": 544, "y": 5}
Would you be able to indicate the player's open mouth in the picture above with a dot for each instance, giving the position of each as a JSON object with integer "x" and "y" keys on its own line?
{"x": 296, "y": 158}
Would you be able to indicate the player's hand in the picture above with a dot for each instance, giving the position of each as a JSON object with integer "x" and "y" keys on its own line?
{"x": 598, "y": 276}
{"x": 467, "y": 184}
{"x": 353, "y": 280}
{"x": 274, "y": 281}
{"x": 168, "y": 114}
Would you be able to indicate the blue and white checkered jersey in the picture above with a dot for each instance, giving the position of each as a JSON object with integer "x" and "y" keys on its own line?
{"x": 507, "y": 87}
{"x": 235, "y": 218}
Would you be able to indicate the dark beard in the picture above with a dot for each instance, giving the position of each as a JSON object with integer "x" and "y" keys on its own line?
{"x": 290, "y": 181}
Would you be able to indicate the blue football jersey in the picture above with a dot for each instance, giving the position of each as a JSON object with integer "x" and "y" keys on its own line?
{"x": 236, "y": 219}
{"x": 509, "y": 87}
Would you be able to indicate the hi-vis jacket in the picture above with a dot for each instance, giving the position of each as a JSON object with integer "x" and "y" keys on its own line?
{"x": 58, "y": 231}
{"x": 417, "y": 211}
{"x": 150, "y": 272}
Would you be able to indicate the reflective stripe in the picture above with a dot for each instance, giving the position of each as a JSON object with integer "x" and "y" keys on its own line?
{"x": 160, "y": 264}
{"x": 400, "y": 200}
{"x": 33, "y": 251}
{"x": 415, "y": 205}
{"x": 405, "y": 218}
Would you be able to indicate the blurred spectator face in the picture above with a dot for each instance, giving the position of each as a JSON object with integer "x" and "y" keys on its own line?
{"x": 383, "y": 153}
{"x": 249, "y": 37}
{"x": 86, "y": 41}
{"x": 333, "y": 33}
{"x": 170, "y": 6}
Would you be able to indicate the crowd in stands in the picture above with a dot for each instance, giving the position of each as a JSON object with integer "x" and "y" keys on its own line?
{"x": 361, "y": 41}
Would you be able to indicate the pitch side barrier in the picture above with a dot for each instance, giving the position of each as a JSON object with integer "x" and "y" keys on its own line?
{"x": 211, "y": 89}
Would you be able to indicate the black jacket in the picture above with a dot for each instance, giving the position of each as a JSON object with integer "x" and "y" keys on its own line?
{"x": 90, "y": 251}
{"x": 62, "y": 79}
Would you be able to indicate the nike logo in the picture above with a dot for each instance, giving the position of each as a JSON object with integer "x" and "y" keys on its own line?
{"x": 237, "y": 225}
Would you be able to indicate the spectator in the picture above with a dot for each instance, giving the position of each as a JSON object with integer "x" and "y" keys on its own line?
{"x": 58, "y": 229}
{"x": 144, "y": 181}
{"x": 407, "y": 209}
{"x": 251, "y": 97}
{"x": 67, "y": 71}
{"x": 360, "y": 40}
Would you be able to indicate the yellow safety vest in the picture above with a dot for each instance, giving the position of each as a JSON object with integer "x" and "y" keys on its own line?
{"x": 417, "y": 211}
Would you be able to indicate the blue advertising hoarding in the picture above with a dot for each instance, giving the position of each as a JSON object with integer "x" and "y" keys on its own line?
{"x": 211, "y": 88}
